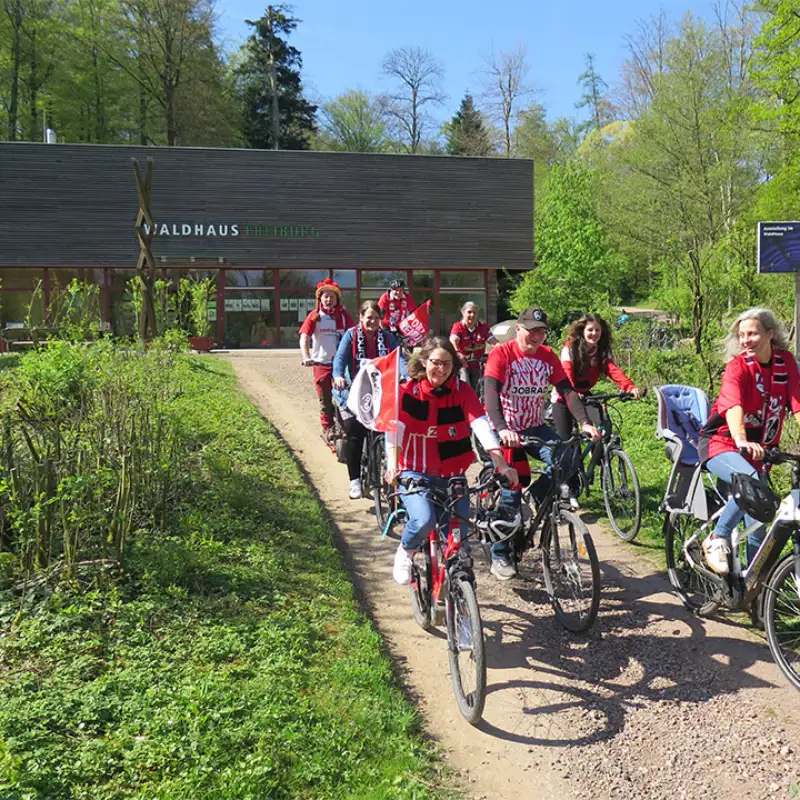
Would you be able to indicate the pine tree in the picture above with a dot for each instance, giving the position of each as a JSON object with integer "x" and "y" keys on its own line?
{"x": 466, "y": 132}
{"x": 594, "y": 98}
{"x": 276, "y": 115}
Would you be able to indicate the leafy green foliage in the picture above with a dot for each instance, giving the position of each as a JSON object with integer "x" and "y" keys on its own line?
{"x": 353, "y": 122}
{"x": 231, "y": 659}
{"x": 577, "y": 268}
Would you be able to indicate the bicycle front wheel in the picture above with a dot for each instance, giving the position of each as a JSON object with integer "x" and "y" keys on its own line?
{"x": 420, "y": 591}
{"x": 385, "y": 506}
{"x": 466, "y": 649}
{"x": 695, "y": 590}
{"x": 782, "y": 618}
{"x": 621, "y": 495}
{"x": 571, "y": 571}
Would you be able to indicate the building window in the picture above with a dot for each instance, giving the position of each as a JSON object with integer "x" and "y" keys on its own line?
{"x": 380, "y": 279}
{"x": 467, "y": 279}
{"x": 302, "y": 278}
{"x": 250, "y": 278}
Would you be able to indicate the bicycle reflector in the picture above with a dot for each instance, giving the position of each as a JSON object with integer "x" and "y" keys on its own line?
{"x": 754, "y": 497}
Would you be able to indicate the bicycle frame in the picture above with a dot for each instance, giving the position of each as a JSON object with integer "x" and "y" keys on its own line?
{"x": 744, "y": 584}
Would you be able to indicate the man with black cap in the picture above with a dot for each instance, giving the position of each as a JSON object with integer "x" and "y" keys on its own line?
{"x": 518, "y": 377}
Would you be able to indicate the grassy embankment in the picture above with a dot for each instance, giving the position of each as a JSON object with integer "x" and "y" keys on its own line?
{"x": 228, "y": 660}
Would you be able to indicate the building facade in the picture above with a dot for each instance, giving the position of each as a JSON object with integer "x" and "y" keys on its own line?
{"x": 265, "y": 225}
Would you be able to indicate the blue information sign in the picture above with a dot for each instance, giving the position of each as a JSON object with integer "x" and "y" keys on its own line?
{"x": 779, "y": 246}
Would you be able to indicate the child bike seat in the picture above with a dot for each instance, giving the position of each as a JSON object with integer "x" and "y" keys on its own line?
{"x": 682, "y": 412}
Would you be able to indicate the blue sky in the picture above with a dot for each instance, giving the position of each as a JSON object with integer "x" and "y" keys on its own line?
{"x": 343, "y": 42}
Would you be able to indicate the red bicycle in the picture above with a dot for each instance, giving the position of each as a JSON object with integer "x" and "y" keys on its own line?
{"x": 442, "y": 588}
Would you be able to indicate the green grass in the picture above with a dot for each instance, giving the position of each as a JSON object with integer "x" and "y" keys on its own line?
{"x": 230, "y": 661}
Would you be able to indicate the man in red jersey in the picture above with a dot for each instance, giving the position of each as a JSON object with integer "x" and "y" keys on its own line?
{"x": 396, "y": 304}
{"x": 470, "y": 336}
{"x": 518, "y": 376}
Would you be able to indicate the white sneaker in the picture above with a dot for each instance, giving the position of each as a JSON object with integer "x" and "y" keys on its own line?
{"x": 717, "y": 551}
{"x": 402, "y": 566}
{"x": 355, "y": 489}
{"x": 502, "y": 569}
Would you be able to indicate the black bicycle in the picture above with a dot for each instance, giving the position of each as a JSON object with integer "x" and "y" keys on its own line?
{"x": 770, "y": 584}
{"x": 569, "y": 559}
{"x": 621, "y": 493}
{"x": 373, "y": 482}
{"x": 442, "y": 588}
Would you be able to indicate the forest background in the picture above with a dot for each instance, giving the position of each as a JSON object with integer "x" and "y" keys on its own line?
{"x": 649, "y": 195}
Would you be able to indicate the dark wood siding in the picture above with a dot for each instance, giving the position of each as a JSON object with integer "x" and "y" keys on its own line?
{"x": 75, "y": 205}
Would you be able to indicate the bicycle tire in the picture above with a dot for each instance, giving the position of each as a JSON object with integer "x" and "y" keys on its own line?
{"x": 466, "y": 649}
{"x": 571, "y": 575}
{"x": 622, "y": 495}
{"x": 384, "y": 505}
{"x": 365, "y": 471}
{"x": 695, "y": 591}
{"x": 782, "y": 618}
{"x": 420, "y": 591}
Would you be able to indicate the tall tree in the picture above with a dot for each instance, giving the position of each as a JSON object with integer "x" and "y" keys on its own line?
{"x": 595, "y": 96}
{"x": 353, "y": 122}
{"x": 677, "y": 179}
{"x": 506, "y": 88}
{"x": 777, "y": 62}
{"x": 276, "y": 115}
{"x": 418, "y": 76}
{"x": 466, "y": 132}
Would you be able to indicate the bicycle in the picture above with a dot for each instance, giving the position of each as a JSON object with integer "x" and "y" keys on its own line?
{"x": 373, "y": 482}
{"x": 569, "y": 559}
{"x": 619, "y": 481}
{"x": 770, "y": 584}
{"x": 442, "y": 588}
{"x": 336, "y": 439}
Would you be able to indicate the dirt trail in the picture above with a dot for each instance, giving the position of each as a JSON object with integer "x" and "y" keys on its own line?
{"x": 652, "y": 704}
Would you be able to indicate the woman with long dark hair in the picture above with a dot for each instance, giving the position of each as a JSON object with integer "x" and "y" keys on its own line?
{"x": 437, "y": 412}
{"x": 586, "y": 357}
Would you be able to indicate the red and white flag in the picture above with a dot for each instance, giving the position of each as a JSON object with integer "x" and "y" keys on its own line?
{"x": 416, "y": 325}
{"x": 375, "y": 393}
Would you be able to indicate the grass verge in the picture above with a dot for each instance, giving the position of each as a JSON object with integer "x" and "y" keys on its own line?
{"x": 231, "y": 659}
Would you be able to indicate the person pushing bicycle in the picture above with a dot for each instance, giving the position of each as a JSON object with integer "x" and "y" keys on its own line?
{"x": 437, "y": 411}
{"x": 517, "y": 377}
{"x": 760, "y": 383}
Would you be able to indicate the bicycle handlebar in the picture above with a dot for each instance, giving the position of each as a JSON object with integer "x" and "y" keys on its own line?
{"x": 535, "y": 441}
{"x": 774, "y": 455}
{"x": 417, "y": 485}
{"x": 597, "y": 399}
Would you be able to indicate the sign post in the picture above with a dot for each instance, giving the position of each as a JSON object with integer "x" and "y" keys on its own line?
{"x": 779, "y": 251}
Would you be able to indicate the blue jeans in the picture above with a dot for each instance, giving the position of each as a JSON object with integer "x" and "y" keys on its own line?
{"x": 424, "y": 514}
{"x": 513, "y": 497}
{"x": 724, "y": 466}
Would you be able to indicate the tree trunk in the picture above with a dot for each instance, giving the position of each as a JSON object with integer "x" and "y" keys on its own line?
{"x": 33, "y": 90}
{"x": 273, "y": 80}
{"x": 14, "y": 11}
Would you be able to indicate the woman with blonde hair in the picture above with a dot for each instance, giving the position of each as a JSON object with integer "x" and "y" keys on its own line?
{"x": 760, "y": 383}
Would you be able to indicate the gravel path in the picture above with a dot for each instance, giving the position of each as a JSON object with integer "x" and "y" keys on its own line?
{"x": 651, "y": 704}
